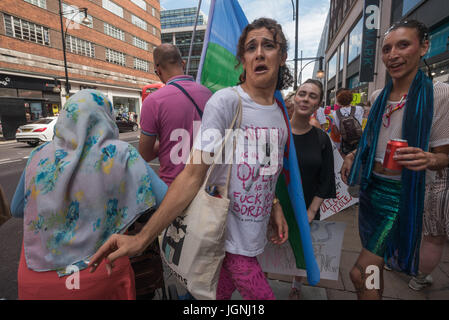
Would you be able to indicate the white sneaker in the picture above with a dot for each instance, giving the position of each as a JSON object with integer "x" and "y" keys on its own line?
{"x": 420, "y": 282}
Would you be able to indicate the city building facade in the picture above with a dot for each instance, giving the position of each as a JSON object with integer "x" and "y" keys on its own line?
{"x": 111, "y": 52}
{"x": 177, "y": 28}
{"x": 345, "y": 36}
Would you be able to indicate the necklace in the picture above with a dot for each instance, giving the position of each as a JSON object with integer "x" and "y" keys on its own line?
{"x": 390, "y": 109}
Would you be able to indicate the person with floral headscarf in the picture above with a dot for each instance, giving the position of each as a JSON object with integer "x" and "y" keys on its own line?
{"x": 74, "y": 193}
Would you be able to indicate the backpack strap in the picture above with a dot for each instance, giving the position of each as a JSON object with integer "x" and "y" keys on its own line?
{"x": 339, "y": 115}
{"x": 188, "y": 96}
{"x": 353, "y": 109}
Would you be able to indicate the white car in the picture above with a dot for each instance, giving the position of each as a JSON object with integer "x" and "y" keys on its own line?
{"x": 39, "y": 131}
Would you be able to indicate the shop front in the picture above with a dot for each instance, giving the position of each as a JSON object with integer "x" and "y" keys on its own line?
{"x": 438, "y": 54}
{"x": 359, "y": 89}
{"x": 23, "y": 100}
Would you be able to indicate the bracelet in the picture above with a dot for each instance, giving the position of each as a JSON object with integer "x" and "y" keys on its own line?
{"x": 275, "y": 200}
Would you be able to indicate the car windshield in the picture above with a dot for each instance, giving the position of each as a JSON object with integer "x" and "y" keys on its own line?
{"x": 43, "y": 121}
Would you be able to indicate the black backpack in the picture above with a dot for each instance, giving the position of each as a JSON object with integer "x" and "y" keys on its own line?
{"x": 350, "y": 130}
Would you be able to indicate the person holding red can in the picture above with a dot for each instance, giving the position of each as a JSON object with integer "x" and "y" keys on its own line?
{"x": 412, "y": 108}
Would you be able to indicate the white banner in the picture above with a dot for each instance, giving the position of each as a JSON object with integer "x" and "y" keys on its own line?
{"x": 327, "y": 241}
{"x": 344, "y": 200}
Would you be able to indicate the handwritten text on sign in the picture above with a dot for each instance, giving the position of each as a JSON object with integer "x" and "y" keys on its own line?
{"x": 344, "y": 200}
{"x": 327, "y": 241}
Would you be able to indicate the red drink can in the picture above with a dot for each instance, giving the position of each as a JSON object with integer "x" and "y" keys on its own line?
{"x": 392, "y": 146}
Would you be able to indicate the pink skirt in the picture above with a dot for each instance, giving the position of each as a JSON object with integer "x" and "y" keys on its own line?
{"x": 120, "y": 285}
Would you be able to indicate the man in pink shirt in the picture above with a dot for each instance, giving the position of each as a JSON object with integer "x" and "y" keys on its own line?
{"x": 168, "y": 114}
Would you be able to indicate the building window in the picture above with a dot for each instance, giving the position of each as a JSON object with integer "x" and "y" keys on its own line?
{"x": 354, "y": 82}
{"x": 153, "y": 11}
{"x": 342, "y": 56}
{"x": 114, "y": 32}
{"x": 140, "y": 3}
{"x": 21, "y": 29}
{"x": 355, "y": 41}
{"x": 80, "y": 46}
{"x": 115, "y": 57}
{"x": 75, "y": 17}
{"x": 139, "y": 22}
{"x": 408, "y": 5}
{"x": 332, "y": 67}
{"x": 39, "y": 3}
{"x": 112, "y": 7}
{"x": 154, "y": 31}
{"x": 141, "y": 65}
{"x": 180, "y": 18}
{"x": 439, "y": 41}
{"x": 142, "y": 44}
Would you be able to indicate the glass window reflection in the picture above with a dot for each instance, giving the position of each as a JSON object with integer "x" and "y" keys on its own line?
{"x": 332, "y": 67}
{"x": 355, "y": 41}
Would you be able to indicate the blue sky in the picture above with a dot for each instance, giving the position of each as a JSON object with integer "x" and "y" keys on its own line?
{"x": 312, "y": 16}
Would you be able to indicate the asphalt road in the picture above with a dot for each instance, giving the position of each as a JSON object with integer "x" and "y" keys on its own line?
{"x": 13, "y": 158}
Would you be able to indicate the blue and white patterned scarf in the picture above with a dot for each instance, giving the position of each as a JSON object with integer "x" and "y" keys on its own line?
{"x": 82, "y": 187}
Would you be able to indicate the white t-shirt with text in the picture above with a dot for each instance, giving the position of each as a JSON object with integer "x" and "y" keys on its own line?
{"x": 254, "y": 174}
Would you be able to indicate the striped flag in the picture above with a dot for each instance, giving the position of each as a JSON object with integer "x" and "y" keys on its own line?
{"x": 218, "y": 60}
{"x": 216, "y": 71}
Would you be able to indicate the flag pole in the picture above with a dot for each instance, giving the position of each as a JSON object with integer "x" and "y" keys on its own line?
{"x": 206, "y": 40}
{"x": 193, "y": 37}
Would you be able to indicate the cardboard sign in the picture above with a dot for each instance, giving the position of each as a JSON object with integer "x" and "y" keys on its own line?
{"x": 344, "y": 200}
{"x": 356, "y": 99}
{"x": 327, "y": 241}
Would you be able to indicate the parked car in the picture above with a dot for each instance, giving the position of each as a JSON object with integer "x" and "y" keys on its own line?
{"x": 124, "y": 124}
{"x": 39, "y": 131}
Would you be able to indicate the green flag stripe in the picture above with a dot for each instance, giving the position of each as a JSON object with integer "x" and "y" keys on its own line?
{"x": 217, "y": 64}
{"x": 294, "y": 236}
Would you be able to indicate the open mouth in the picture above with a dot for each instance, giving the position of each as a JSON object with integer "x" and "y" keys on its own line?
{"x": 396, "y": 65}
{"x": 260, "y": 69}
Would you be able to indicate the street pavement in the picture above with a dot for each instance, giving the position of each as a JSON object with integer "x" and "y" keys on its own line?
{"x": 396, "y": 284}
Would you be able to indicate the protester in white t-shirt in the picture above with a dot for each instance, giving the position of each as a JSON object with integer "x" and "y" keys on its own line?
{"x": 344, "y": 99}
{"x": 262, "y": 52}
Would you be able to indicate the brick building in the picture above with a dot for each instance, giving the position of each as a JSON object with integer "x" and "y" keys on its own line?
{"x": 113, "y": 54}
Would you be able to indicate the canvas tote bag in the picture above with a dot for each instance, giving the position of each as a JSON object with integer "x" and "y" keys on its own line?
{"x": 193, "y": 245}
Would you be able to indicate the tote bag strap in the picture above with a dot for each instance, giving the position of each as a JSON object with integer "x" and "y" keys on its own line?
{"x": 237, "y": 117}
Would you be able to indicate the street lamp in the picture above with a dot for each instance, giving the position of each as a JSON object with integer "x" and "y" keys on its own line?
{"x": 320, "y": 72}
{"x": 85, "y": 21}
{"x": 296, "y": 14}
